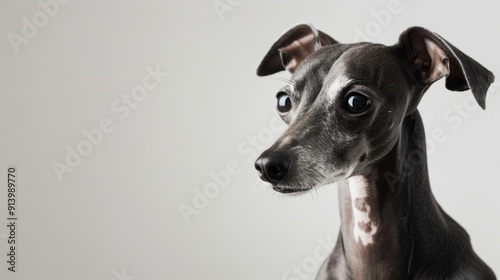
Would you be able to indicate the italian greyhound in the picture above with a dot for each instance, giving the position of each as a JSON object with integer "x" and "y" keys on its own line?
{"x": 352, "y": 117}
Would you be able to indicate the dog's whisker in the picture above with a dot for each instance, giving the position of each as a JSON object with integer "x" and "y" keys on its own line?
{"x": 259, "y": 182}
{"x": 286, "y": 79}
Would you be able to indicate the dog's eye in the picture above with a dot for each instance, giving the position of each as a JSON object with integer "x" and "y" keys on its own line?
{"x": 357, "y": 103}
{"x": 284, "y": 102}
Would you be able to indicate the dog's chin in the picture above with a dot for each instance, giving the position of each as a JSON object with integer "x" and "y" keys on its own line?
{"x": 289, "y": 190}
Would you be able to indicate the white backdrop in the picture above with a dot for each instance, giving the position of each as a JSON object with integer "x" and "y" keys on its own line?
{"x": 118, "y": 114}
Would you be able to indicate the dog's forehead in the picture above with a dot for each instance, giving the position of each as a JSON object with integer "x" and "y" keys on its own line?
{"x": 318, "y": 64}
{"x": 370, "y": 63}
{"x": 363, "y": 62}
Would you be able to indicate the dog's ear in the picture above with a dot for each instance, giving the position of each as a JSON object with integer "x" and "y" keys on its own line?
{"x": 430, "y": 58}
{"x": 292, "y": 48}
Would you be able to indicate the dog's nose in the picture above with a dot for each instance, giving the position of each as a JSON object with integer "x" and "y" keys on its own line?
{"x": 272, "y": 168}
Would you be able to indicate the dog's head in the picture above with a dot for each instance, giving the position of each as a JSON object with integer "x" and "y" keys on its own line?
{"x": 345, "y": 103}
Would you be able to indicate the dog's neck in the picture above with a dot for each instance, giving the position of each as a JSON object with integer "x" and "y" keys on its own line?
{"x": 386, "y": 211}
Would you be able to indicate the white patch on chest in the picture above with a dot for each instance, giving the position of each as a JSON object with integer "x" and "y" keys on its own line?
{"x": 364, "y": 227}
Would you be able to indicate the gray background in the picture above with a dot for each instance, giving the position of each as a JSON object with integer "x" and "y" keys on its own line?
{"x": 116, "y": 215}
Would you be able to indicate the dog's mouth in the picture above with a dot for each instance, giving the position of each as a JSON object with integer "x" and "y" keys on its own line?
{"x": 288, "y": 190}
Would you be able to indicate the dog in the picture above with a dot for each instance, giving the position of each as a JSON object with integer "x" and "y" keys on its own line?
{"x": 352, "y": 117}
